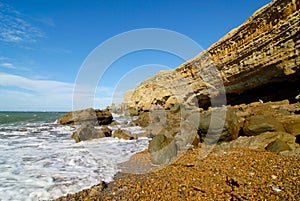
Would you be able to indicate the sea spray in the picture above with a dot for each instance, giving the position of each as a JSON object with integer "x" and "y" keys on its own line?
{"x": 40, "y": 161}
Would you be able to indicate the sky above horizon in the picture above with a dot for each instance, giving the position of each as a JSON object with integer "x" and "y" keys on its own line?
{"x": 44, "y": 44}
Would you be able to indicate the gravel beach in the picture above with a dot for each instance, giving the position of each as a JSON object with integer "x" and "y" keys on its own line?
{"x": 236, "y": 174}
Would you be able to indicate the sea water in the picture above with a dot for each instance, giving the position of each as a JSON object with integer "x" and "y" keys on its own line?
{"x": 40, "y": 161}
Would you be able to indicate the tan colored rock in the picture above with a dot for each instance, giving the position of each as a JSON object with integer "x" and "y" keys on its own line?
{"x": 87, "y": 116}
{"x": 260, "y": 141}
{"x": 262, "y": 54}
{"x": 122, "y": 134}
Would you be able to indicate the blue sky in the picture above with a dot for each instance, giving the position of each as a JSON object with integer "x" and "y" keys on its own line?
{"x": 43, "y": 43}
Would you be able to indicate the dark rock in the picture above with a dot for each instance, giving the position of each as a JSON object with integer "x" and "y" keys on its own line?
{"x": 88, "y": 132}
{"x": 278, "y": 146}
{"x": 106, "y": 131}
{"x": 95, "y": 117}
{"x": 122, "y": 134}
{"x": 162, "y": 149}
{"x": 258, "y": 124}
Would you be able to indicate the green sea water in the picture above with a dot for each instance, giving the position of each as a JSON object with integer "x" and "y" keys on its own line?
{"x": 18, "y": 117}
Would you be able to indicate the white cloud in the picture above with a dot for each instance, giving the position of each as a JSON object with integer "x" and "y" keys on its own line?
{"x": 15, "y": 28}
{"x": 21, "y": 93}
{"x": 40, "y": 86}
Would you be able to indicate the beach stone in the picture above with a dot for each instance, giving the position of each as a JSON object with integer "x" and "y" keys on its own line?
{"x": 218, "y": 132}
{"x": 260, "y": 141}
{"x": 162, "y": 149}
{"x": 95, "y": 117}
{"x": 143, "y": 120}
{"x": 122, "y": 134}
{"x": 291, "y": 124}
{"x": 106, "y": 131}
{"x": 187, "y": 136}
{"x": 278, "y": 146}
{"x": 132, "y": 111}
{"x": 258, "y": 124}
{"x": 88, "y": 132}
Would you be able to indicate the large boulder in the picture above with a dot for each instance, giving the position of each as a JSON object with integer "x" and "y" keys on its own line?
{"x": 260, "y": 141}
{"x": 218, "y": 124}
{"x": 90, "y": 116}
{"x": 162, "y": 149}
{"x": 258, "y": 124}
{"x": 187, "y": 136}
{"x": 88, "y": 132}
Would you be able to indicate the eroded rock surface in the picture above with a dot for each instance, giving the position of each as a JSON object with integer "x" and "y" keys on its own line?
{"x": 87, "y": 116}
{"x": 258, "y": 60}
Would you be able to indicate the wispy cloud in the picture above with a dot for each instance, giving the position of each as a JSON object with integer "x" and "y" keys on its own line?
{"x": 21, "y": 93}
{"x": 15, "y": 28}
{"x": 12, "y": 66}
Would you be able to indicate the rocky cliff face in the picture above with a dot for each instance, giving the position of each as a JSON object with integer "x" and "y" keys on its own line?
{"x": 258, "y": 60}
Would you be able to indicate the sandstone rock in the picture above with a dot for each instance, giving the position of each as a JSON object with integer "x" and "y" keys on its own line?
{"x": 294, "y": 152}
{"x": 88, "y": 132}
{"x": 91, "y": 116}
{"x": 258, "y": 60}
{"x": 291, "y": 124}
{"x": 278, "y": 146}
{"x": 122, "y": 134}
{"x": 187, "y": 136}
{"x": 212, "y": 130}
{"x": 162, "y": 149}
{"x": 143, "y": 120}
{"x": 260, "y": 141}
{"x": 258, "y": 124}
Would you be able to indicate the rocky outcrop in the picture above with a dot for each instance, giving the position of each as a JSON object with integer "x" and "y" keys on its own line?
{"x": 87, "y": 116}
{"x": 88, "y": 132}
{"x": 258, "y": 60}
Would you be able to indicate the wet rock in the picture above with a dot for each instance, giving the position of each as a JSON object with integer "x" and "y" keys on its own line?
{"x": 278, "y": 146}
{"x": 90, "y": 116}
{"x": 88, "y": 132}
{"x": 122, "y": 134}
{"x": 106, "y": 131}
{"x": 162, "y": 149}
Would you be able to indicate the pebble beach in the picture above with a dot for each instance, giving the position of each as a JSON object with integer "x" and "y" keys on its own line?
{"x": 235, "y": 174}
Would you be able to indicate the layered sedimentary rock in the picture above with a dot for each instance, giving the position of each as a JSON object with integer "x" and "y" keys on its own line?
{"x": 87, "y": 116}
{"x": 258, "y": 60}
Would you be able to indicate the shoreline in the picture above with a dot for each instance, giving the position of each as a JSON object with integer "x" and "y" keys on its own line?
{"x": 232, "y": 174}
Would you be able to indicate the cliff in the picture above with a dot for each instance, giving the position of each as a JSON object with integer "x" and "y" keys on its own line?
{"x": 258, "y": 60}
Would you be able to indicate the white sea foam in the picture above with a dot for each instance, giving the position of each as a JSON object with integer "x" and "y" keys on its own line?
{"x": 41, "y": 162}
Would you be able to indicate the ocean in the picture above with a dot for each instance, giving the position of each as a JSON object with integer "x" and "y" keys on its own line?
{"x": 40, "y": 161}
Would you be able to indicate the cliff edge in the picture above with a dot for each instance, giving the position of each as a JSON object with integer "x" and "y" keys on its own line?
{"x": 258, "y": 60}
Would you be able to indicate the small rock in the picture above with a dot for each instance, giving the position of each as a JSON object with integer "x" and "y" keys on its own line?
{"x": 122, "y": 134}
